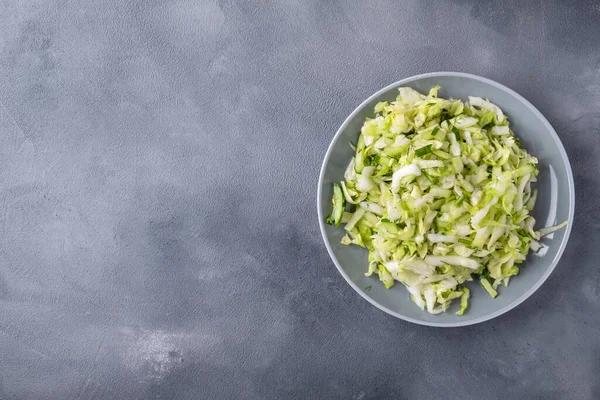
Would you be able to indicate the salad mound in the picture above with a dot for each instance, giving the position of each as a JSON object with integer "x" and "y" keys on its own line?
{"x": 439, "y": 191}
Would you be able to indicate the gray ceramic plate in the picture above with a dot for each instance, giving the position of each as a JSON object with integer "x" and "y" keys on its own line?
{"x": 556, "y": 201}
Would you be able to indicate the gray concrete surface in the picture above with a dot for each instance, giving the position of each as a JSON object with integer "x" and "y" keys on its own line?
{"x": 158, "y": 170}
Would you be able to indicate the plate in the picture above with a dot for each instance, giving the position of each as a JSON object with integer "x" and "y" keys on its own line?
{"x": 555, "y": 202}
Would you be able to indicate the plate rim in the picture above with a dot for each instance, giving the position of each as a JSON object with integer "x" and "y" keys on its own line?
{"x": 570, "y": 182}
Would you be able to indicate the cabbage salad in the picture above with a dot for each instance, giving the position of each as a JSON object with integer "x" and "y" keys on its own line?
{"x": 439, "y": 191}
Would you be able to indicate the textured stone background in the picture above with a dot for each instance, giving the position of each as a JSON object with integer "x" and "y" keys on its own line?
{"x": 158, "y": 170}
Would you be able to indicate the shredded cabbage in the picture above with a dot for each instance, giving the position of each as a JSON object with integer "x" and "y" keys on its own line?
{"x": 440, "y": 191}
